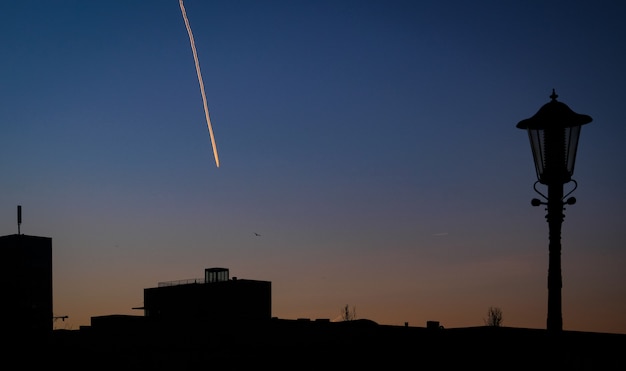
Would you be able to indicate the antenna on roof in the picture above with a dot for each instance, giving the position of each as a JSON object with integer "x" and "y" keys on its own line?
{"x": 19, "y": 217}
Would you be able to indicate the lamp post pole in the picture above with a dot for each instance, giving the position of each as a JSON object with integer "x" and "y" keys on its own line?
{"x": 555, "y": 218}
{"x": 554, "y": 132}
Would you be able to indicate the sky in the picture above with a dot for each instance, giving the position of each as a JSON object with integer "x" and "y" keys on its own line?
{"x": 371, "y": 145}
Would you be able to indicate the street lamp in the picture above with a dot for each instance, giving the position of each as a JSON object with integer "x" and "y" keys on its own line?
{"x": 553, "y": 132}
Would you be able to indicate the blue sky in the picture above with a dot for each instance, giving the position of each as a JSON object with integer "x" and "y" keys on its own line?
{"x": 371, "y": 144}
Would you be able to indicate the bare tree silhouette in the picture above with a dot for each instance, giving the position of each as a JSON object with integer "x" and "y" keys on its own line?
{"x": 347, "y": 315}
{"x": 494, "y": 317}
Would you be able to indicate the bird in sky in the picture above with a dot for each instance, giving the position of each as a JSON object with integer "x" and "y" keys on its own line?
{"x": 256, "y": 234}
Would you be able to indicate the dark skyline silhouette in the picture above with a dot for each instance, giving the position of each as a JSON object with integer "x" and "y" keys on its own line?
{"x": 225, "y": 322}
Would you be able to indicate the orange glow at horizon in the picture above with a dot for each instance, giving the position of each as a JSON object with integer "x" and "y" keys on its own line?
{"x": 195, "y": 58}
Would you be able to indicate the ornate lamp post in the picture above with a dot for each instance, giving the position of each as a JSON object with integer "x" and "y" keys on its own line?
{"x": 554, "y": 131}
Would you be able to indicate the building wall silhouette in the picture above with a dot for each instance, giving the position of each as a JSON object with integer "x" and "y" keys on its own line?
{"x": 26, "y": 276}
{"x": 215, "y": 297}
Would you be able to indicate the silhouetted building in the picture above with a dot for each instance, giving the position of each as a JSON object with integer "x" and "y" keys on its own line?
{"x": 26, "y": 276}
{"x": 215, "y": 297}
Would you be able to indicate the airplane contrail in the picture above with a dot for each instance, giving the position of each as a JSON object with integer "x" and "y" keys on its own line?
{"x": 195, "y": 58}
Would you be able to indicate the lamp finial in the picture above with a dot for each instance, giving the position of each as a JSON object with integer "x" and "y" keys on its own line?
{"x": 553, "y": 96}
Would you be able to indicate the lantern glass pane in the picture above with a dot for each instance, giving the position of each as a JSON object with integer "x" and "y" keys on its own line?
{"x": 572, "y": 134}
{"x": 537, "y": 145}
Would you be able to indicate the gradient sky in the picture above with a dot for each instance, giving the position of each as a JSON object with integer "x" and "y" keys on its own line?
{"x": 371, "y": 144}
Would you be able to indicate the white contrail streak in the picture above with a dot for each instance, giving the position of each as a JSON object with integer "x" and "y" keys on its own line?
{"x": 195, "y": 58}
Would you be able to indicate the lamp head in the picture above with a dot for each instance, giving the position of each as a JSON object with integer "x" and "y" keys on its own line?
{"x": 554, "y": 132}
